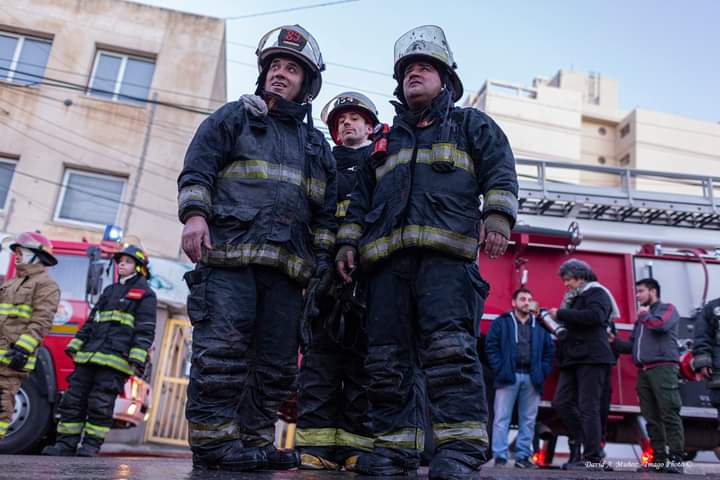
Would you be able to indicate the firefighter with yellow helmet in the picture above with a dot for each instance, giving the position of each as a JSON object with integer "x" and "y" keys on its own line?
{"x": 257, "y": 196}
{"x": 113, "y": 344}
{"x": 332, "y": 384}
{"x": 28, "y": 303}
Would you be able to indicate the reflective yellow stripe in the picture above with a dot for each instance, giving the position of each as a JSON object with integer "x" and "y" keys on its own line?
{"x": 449, "y": 432}
{"x": 75, "y": 344}
{"x": 501, "y": 200}
{"x": 349, "y": 232}
{"x": 104, "y": 359}
{"x": 3, "y": 428}
{"x": 27, "y": 342}
{"x": 323, "y": 238}
{"x": 405, "y": 438}
{"x": 194, "y": 194}
{"x": 392, "y": 161}
{"x": 123, "y": 318}
{"x": 440, "y": 152}
{"x": 96, "y": 430}
{"x": 263, "y": 254}
{"x": 29, "y": 365}
{"x": 138, "y": 354}
{"x": 318, "y": 437}
{"x": 260, "y": 169}
{"x": 201, "y": 434}
{"x": 20, "y": 310}
{"x": 70, "y": 428}
{"x": 420, "y": 236}
{"x": 347, "y": 439}
{"x": 342, "y": 207}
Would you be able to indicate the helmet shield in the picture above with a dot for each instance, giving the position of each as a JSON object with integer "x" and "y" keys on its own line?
{"x": 427, "y": 41}
{"x": 37, "y": 243}
{"x": 296, "y": 42}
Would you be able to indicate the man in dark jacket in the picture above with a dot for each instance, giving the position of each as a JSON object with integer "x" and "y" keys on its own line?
{"x": 584, "y": 357}
{"x": 332, "y": 383}
{"x": 654, "y": 348}
{"x": 112, "y": 344}
{"x": 258, "y": 197}
{"x": 706, "y": 350}
{"x": 520, "y": 352}
{"x": 415, "y": 220}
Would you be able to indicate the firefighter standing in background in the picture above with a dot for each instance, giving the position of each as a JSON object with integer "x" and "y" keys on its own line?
{"x": 258, "y": 197}
{"x": 111, "y": 345}
{"x": 415, "y": 220}
{"x": 706, "y": 350}
{"x": 28, "y": 303}
{"x": 332, "y": 385}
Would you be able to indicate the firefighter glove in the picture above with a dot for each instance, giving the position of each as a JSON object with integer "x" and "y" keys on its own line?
{"x": 497, "y": 223}
{"x": 16, "y": 358}
{"x": 255, "y": 105}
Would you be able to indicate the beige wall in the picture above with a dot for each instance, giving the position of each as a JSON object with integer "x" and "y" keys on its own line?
{"x": 50, "y": 129}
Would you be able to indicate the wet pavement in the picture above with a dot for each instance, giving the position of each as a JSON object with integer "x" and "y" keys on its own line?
{"x": 18, "y": 467}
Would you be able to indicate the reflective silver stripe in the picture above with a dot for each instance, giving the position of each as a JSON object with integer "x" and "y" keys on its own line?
{"x": 347, "y": 439}
{"x": 448, "y": 432}
{"x": 123, "y": 318}
{"x": 20, "y": 310}
{"x": 405, "y": 438}
{"x": 342, "y": 207}
{"x": 323, "y": 238}
{"x": 263, "y": 254}
{"x": 445, "y": 152}
{"x": 202, "y": 433}
{"x": 392, "y": 161}
{"x": 75, "y": 344}
{"x": 501, "y": 200}
{"x": 138, "y": 354}
{"x": 315, "y": 189}
{"x": 96, "y": 430}
{"x": 105, "y": 359}
{"x": 70, "y": 428}
{"x": 420, "y": 236}
{"x": 319, "y": 437}
{"x": 27, "y": 342}
{"x": 260, "y": 169}
{"x": 29, "y": 365}
{"x": 194, "y": 194}
{"x": 350, "y": 231}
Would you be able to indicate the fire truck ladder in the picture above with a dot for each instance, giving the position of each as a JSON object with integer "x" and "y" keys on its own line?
{"x": 618, "y": 194}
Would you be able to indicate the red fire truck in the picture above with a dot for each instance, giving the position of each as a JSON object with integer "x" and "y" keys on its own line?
{"x": 630, "y": 232}
{"x": 82, "y": 271}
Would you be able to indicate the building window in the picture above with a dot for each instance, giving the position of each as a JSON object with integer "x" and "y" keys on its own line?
{"x": 90, "y": 198}
{"x": 121, "y": 77}
{"x": 624, "y": 130}
{"x": 7, "y": 169}
{"x": 23, "y": 59}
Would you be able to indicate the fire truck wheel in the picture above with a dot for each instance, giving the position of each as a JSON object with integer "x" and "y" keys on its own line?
{"x": 30, "y": 421}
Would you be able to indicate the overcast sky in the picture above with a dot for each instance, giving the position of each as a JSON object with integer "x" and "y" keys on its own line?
{"x": 664, "y": 54}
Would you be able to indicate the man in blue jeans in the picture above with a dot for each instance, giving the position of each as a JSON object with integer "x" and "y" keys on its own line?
{"x": 520, "y": 352}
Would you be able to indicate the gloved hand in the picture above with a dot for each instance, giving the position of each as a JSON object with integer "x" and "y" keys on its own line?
{"x": 16, "y": 358}
{"x": 138, "y": 367}
{"x": 345, "y": 262}
{"x": 323, "y": 278}
{"x": 255, "y": 105}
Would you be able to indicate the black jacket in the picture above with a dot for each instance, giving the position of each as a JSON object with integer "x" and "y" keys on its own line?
{"x": 425, "y": 193}
{"x": 266, "y": 186}
{"x": 706, "y": 342}
{"x": 586, "y": 320}
{"x": 348, "y": 164}
{"x": 121, "y": 326}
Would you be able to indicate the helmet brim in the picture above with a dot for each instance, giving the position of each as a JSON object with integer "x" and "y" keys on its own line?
{"x": 267, "y": 55}
{"x": 453, "y": 78}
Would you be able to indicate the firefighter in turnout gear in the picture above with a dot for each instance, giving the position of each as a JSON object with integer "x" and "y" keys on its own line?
{"x": 258, "y": 197}
{"x": 332, "y": 384}
{"x": 112, "y": 345}
{"x": 706, "y": 350}
{"x": 28, "y": 303}
{"x": 415, "y": 221}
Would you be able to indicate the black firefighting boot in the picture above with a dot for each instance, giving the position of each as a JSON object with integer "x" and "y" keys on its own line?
{"x": 90, "y": 446}
{"x": 231, "y": 456}
{"x": 674, "y": 464}
{"x": 279, "y": 459}
{"x": 65, "y": 446}
{"x": 452, "y": 465}
{"x": 376, "y": 465}
{"x": 575, "y": 455}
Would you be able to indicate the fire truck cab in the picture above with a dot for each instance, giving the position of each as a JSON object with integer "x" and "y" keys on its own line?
{"x": 83, "y": 270}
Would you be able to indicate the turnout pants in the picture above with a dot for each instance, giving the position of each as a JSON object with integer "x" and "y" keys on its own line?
{"x": 578, "y": 399}
{"x": 423, "y": 311}
{"x": 660, "y": 404}
{"x": 244, "y": 355}
{"x": 88, "y": 404}
{"x": 10, "y": 381}
{"x": 332, "y": 394}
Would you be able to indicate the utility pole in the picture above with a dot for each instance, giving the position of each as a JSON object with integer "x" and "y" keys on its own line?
{"x": 141, "y": 166}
